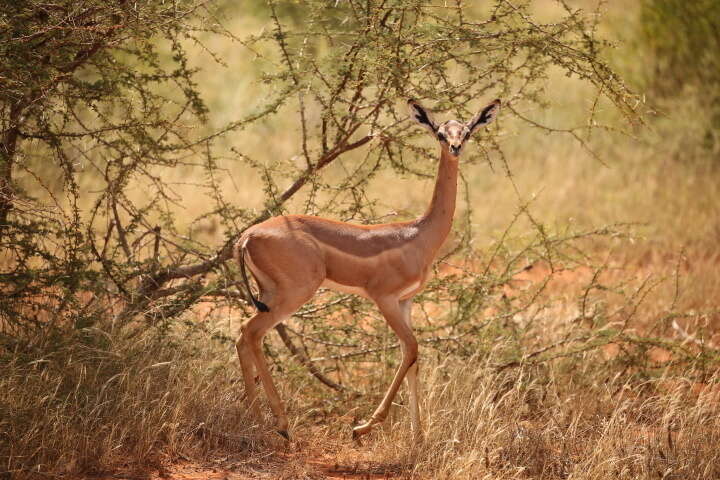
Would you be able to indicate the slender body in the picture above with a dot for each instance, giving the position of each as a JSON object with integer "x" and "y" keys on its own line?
{"x": 292, "y": 256}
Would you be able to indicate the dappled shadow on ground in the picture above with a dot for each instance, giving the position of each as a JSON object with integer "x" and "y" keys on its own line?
{"x": 271, "y": 465}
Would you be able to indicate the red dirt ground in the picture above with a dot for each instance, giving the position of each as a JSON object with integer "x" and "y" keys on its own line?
{"x": 304, "y": 461}
{"x": 275, "y": 466}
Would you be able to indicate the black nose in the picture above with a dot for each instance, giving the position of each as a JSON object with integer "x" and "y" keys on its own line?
{"x": 455, "y": 150}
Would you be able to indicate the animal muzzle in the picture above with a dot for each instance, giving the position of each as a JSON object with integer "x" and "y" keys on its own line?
{"x": 455, "y": 149}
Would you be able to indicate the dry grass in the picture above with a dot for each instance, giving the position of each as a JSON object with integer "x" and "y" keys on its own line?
{"x": 561, "y": 421}
{"x": 615, "y": 407}
{"x": 98, "y": 403}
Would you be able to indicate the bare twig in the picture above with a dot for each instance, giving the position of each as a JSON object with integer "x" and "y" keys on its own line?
{"x": 309, "y": 364}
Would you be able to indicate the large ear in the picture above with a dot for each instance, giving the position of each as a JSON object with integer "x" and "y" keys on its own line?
{"x": 485, "y": 116}
{"x": 422, "y": 116}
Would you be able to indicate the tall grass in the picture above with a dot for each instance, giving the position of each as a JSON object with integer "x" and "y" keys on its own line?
{"x": 568, "y": 420}
{"x": 99, "y": 402}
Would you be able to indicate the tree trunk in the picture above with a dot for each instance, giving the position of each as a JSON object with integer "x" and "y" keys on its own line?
{"x": 8, "y": 147}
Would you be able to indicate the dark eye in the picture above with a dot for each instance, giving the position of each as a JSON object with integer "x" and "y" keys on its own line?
{"x": 441, "y": 137}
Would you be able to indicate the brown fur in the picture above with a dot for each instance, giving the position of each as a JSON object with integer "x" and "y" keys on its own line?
{"x": 292, "y": 256}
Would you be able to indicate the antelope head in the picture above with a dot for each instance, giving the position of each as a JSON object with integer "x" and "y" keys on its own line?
{"x": 452, "y": 134}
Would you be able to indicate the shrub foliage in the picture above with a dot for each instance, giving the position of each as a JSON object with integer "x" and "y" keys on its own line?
{"x": 91, "y": 90}
{"x": 104, "y": 93}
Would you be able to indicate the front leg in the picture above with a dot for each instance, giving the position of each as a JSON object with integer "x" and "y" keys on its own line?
{"x": 412, "y": 376}
{"x": 393, "y": 311}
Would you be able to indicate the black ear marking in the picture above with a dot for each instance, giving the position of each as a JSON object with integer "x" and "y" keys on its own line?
{"x": 485, "y": 116}
{"x": 488, "y": 112}
{"x": 422, "y": 116}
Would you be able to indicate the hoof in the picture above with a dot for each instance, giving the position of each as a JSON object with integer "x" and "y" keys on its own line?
{"x": 360, "y": 430}
{"x": 284, "y": 434}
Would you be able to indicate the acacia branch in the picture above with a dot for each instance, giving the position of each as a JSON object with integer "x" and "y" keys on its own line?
{"x": 302, "y": 358}
{"x": 151, "y": 286}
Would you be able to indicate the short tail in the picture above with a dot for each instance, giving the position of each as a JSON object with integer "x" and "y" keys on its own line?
{"x": 258, "y": 304}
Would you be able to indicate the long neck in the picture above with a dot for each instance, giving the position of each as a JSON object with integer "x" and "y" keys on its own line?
{"x": 437, "y": 221}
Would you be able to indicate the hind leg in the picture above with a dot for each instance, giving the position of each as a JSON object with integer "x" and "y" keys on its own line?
{"x": 288, "y": 275}
{"x": 247, "y": 365}
{"x": 253, "y": 333}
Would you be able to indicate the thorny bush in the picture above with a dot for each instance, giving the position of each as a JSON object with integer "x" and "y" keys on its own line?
{"x": 99, "y": 99}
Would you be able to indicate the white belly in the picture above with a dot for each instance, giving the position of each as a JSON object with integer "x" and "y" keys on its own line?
{"x": 402, "y": 294}
{"x": 409, "y": 290}
{"x": 327, "y": 283}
